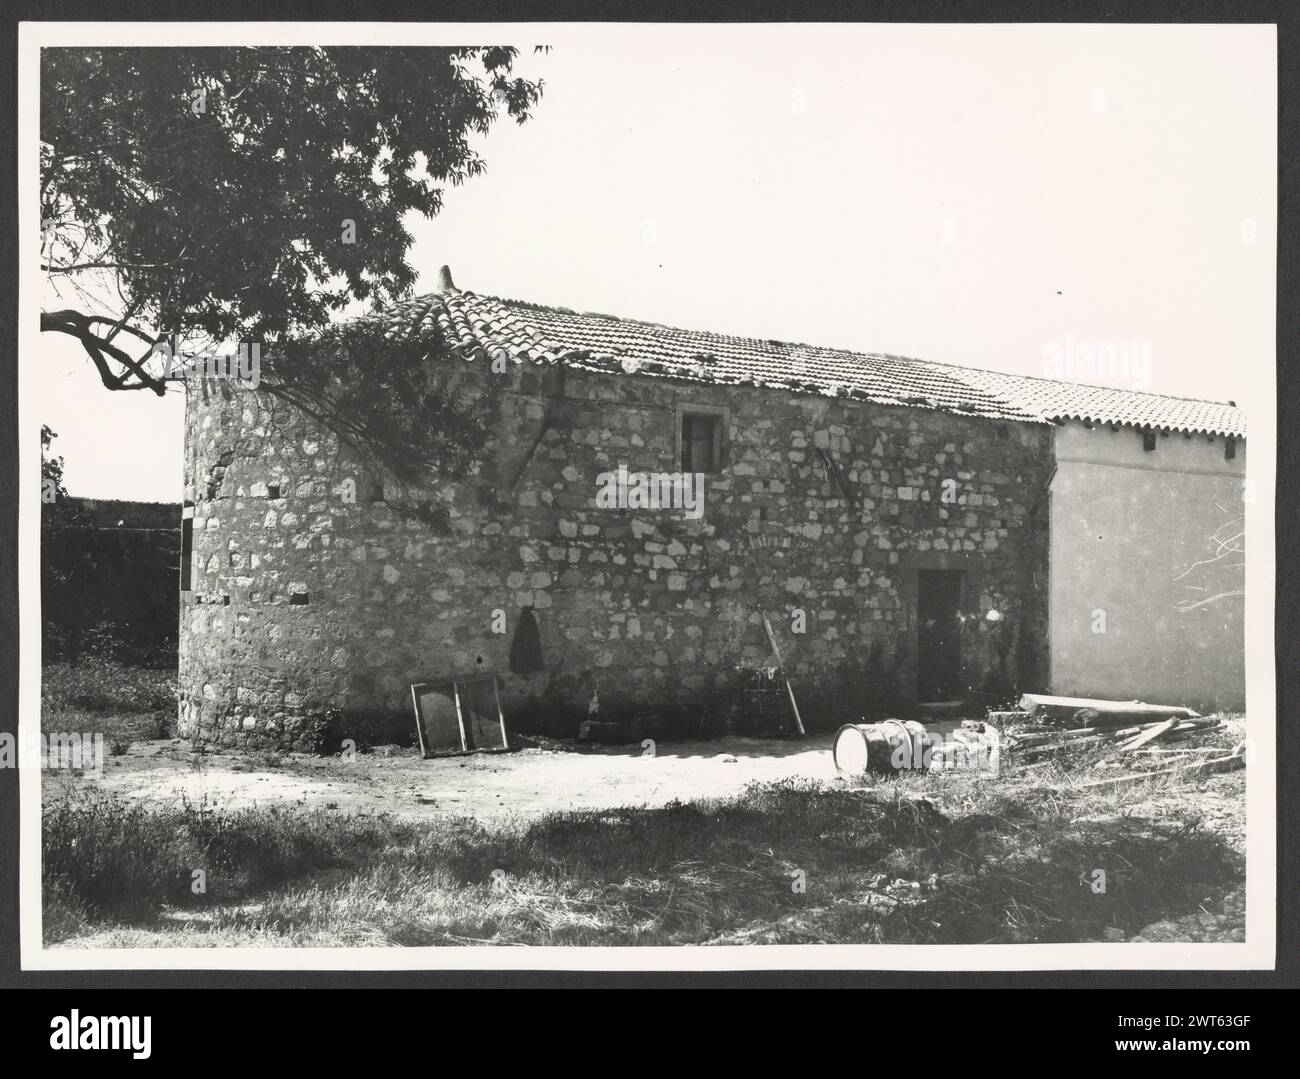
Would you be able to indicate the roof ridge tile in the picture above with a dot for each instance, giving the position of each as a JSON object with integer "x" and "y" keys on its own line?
{"x": 472, "y": 324}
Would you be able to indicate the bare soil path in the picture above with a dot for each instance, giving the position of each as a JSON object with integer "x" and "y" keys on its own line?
{"x": 526, "y": 783}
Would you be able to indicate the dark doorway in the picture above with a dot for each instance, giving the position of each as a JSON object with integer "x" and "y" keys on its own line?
{"x": 938, "y": 635}
{"x": 526, "y": 647}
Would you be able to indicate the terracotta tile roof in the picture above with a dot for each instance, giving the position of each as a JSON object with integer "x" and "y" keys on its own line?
{"x": 474, "y": 327}
{"x": 1054, "y": 400}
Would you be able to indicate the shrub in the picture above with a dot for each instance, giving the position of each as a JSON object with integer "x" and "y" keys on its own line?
{"x": 100, "y": 685}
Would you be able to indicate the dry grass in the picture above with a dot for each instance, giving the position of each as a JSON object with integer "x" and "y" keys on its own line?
{"x": 951, "y": 858}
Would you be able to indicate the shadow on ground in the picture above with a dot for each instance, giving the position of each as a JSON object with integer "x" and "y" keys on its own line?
{"x": 787, "y": 863}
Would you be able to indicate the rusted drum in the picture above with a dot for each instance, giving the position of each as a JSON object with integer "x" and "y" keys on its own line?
{"x": 885, "y": 748}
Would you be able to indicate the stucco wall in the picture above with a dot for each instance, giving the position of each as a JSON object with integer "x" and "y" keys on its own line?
{"x": 1126, "y": 522}
{"x": 648, "y": 609}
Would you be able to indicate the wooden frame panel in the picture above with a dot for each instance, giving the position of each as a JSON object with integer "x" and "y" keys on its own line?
{"x": 457, "y": 724}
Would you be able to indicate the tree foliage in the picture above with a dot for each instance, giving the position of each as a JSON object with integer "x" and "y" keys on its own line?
{"x": 250, "y": 195}
{"x": 51, "y": 467}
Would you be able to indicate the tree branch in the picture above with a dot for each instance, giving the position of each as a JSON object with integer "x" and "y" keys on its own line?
{"x": 81, "y": 326}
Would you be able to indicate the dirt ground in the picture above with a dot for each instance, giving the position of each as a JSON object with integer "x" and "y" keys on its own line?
{"x": 525, "y": 783}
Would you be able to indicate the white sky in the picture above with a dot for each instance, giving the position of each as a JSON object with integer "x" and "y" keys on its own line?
{"x": 921, "y": 190}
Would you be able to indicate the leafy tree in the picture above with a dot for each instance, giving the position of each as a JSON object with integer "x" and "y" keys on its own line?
{"x": 251, "y": 194}
{"x": 52, "y": 489}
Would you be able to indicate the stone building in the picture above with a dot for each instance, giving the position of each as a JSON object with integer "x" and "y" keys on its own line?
{"x": 890, "y": 518}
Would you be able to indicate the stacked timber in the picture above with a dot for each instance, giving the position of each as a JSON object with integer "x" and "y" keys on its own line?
{"x": 1124, "y": 739}
{"x": 1089, "y": 712}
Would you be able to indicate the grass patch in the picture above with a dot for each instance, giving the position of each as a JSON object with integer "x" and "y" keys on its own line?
{"x": 98, "y": 696}
{"x": 1003, "y": 861}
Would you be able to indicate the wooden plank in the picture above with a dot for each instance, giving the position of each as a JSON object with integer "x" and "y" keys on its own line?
{"x": 1053, "y": 747}
{"x": 1077, "y": 734}
{"x": 460, "y": 716}
{"x": 1182, "y": 736}
{"x": 501, "y": 716}
{"x": 1001, "y": 718}
{"x": 419, "y": 720}
{"x": 794, "y": 706}
{"x": 1037, "y": 704}
{"x": 1054, "y": 737}
{"x": 1222, "y": 764}
{"x": 1091, "y": 715}
{"x": 1037, "y": 744}
{"x": 1148, "y": 736}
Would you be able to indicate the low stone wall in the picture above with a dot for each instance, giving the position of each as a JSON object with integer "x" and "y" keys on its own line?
{"x": 108, "y": 576}
{"x": 311, "y": 614}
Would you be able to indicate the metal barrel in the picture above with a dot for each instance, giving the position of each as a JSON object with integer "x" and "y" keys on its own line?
{"x": 885, "y": 748}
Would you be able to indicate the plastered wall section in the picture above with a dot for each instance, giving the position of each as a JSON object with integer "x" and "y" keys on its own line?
{"x": 1128, "y": 613}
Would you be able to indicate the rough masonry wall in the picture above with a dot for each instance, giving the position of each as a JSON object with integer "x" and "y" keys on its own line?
{"x": 312, "y": 615}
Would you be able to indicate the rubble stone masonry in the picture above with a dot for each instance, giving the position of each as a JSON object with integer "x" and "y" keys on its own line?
{"x": 314, "y": 605}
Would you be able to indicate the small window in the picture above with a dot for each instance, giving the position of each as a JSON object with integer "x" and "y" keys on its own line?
{"x": 187, "y": 554}
{"x": 1148, "y": 440}
{"x": 701, "y": 442}
{"x": 272, "y": 490}
{"x": 1230, "y": 449}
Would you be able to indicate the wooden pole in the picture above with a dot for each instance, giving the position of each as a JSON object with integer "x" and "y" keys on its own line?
{"x": 771, "y": 639}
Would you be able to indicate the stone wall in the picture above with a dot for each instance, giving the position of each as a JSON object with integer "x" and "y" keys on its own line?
{"x": 108, "y": 579}
{"x": 311, "y": 614}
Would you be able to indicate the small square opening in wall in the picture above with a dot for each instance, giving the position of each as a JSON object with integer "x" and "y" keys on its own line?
{"x": 272, "y": 490}
{"x": 701, "y": 442}
{"x": 298, "y": 599}
{"x": 1148, "y": 440}
{"x": 377, "y": 492}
